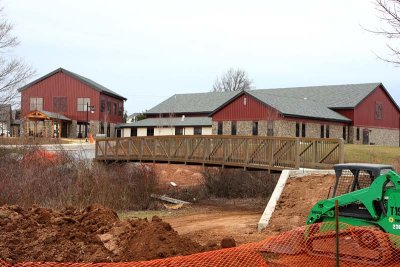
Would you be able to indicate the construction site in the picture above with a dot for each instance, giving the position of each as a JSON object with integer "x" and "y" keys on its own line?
{"x": 185, "y": 223}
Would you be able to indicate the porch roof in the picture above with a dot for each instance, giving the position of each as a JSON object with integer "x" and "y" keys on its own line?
{"x": 46, "y": 115}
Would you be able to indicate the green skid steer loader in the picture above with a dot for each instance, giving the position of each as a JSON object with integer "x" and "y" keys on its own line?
{"x": 368, "y": 196}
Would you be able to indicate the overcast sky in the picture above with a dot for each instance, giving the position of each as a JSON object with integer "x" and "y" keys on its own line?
{"x": 150, "y": 50}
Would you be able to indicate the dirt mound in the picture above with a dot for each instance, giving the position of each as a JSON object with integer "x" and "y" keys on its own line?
{"x": 181, "y": 175}
{"x": 94, "y": 234}
{"x": 297, "y": 199}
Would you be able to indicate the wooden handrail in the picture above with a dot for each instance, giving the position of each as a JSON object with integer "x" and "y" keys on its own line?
{"x": 248, "y": 151}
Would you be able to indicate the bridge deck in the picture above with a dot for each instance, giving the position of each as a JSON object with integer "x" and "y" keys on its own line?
{"x": 255, "y": 152}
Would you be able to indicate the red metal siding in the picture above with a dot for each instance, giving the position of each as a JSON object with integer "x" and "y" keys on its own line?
{"x": 348, "y": 113}
{"x": 245, "y": 108}
{"x": 364, "y": 113}
{"x": 112, "y": 117}
{"x": 62, "y": 85}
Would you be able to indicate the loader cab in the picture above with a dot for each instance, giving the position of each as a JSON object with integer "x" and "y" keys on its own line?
{"x": 354, "y": 176}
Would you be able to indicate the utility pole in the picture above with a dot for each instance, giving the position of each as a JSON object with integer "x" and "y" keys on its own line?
{"x": 87, "y": 119}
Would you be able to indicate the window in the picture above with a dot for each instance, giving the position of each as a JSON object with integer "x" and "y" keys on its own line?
{"x": 36, "y": 103}
{"x": 101, "y": 127}
{"x": 198, "y": 131}
{"x": 303, "y": 130}
{"x": 233, "y": 128}
{"x": 358, "y": 134}
{"x": 150, "y": 131}
{"x": 297, "y": 129}
{"x": 219, "y": 130}
{"x": 120, "y": 110}
{"x": 178, "y": 130}
{"x": 327, "y": 131}
{"x": 133, "y": 131}
{"x": 60, "y": 104}
{"x": 344, "y": 133}
{"x": 270, "y": 128}
{"x": 255, "y": 127}
{"x": 378, "y": 110}
{"x": 322, "y": 131}
{"x": 115, "y": 108}
{"x": 103, "y": 105}
{"x": 83, "y": 103}
{"x": 109, "y": 107}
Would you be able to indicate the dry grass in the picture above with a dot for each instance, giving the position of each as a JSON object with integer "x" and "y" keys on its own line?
{"x": 372, "y": 154}
{"x": 27, "y": 178}
{"x": 33, "y": 141}
{"x": 234, "y": 183}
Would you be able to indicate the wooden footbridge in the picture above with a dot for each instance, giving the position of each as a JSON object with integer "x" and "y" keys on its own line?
{"x": 248, "y": 152}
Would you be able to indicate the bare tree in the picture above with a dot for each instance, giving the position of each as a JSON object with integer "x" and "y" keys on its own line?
{"x": 389, "y": 14}
{"x": 232, "y": 80}
{"x": 13, "y": 71}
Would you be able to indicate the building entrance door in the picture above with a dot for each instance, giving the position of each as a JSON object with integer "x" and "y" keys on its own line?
{"x": 64, "y": 130}
{"x": 366, "y": 137}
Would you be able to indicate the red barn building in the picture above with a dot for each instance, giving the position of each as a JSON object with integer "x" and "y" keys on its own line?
{"x": 63, "y": 103}
{"x": 358, "y": 113}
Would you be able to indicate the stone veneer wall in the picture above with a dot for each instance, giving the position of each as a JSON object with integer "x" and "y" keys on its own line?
{"x": 72, "y": 129}
{"x": 24, "y": 130}
{"x": 244, "y": 127}
{"x": 377, "y": 136}
{"x": 285, "y": 128}
{"x": 94, "y": 127}
{"x": 214, "y": 127}
{"x": 281, "y": 128}
{"x": 226, "y": 127}
{"x": 112, "y": 130}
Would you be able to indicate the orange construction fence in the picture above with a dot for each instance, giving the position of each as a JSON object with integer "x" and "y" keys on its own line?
{"x": 306, "y": 246}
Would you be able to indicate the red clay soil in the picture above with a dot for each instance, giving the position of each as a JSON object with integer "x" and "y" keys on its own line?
{"x": 181, "y": 175}
{"x": 94, "y": 234}
{"x": 297, "y": 199}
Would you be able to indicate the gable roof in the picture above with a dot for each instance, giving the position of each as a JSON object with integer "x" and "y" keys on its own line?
{"x": 87, "y": 81}
{"x": 298, "y": 107}
{"x": 192, "y": 103}
{"x": 332, "y": 96}
{"x": 47, "y": 114}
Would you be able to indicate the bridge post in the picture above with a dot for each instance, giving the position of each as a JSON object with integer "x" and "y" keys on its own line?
{"x": 224, "y": 151}
{"x": 96, "y": 149}
{"x": 315, "y": 153}
{"x": 141, "y": 149}
{"x": 116, "y": 148}
{"x": 105, "y": 147}
{"x": 204, "y": 150}
{"x": 272, "y": 151}
{"x": 341, "y": 150}
{"x": 168, "y": 149}
{"x": 185, "y": 141}
{"x": 129, "y": 150}
{"x": 297, "y": 154}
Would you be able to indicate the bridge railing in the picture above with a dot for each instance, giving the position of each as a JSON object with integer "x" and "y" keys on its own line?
{"x": 273, "y": 153}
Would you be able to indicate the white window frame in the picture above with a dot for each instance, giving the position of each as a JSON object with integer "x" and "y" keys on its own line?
{"x": 83, "y": 103}
{"x": 36, "y": 103}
